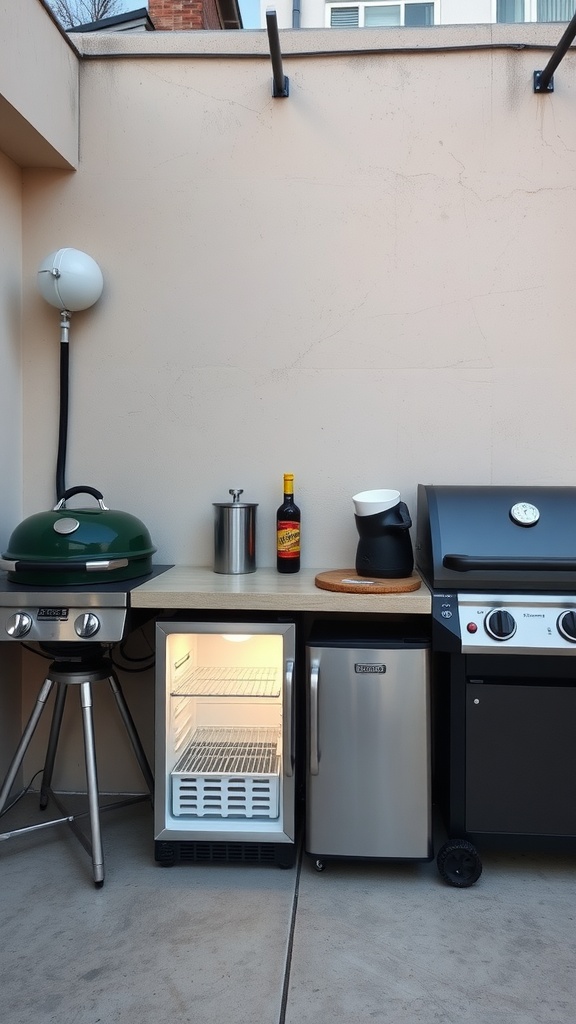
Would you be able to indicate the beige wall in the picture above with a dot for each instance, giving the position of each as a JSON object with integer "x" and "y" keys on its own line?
{"x": 368, "y": 283}
{"x": 38, "y": 88}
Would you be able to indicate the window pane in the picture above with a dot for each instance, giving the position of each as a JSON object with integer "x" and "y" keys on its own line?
{"x": 381, "y": 15}
{"x": 510, "y": 11}
{"x": 344, "y": 17}
{"x": 555, "y": 10}
{"x": 419, "y": 14}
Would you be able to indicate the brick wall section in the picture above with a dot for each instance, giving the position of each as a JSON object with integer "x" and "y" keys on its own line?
{"x": 184, "y": 15}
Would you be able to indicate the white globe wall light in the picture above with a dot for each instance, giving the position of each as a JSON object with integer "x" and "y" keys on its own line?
{"x": 70, "y": 279}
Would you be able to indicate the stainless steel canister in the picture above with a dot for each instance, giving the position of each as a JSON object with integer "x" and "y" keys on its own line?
{"x": 234, "y": 535}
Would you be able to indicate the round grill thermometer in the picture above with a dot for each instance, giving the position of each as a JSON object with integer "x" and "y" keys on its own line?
{"x": 524, "y": 514}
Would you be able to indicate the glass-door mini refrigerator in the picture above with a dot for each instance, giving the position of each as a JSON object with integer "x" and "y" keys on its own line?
{"x": 225, "y": 743}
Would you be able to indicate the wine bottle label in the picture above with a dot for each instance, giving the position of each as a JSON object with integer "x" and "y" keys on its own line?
{"x": 288, "y": 539}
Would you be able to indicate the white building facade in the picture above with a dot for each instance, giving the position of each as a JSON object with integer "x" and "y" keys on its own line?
{"x": 414, "y": 13}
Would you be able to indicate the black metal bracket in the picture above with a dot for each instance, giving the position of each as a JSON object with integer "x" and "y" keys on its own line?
{"x": 280, "y": 84}
{"x": 543, "y": 80}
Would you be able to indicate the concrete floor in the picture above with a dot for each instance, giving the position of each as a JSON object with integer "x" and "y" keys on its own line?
{"x": 235, "y": 944}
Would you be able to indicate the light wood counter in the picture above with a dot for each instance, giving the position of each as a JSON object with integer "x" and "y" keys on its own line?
{"x": 183, "y": 587}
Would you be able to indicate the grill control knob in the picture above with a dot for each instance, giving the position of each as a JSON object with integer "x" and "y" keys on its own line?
{"x": 19, "y": 624}
{"x": 567, "y": 626}
{"x": 86, "y": 625}
{"x": 500, "y": 625}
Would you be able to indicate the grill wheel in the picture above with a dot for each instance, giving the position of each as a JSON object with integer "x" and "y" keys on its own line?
{"x": 458, "y": 863}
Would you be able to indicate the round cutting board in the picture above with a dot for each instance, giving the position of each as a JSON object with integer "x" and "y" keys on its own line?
{"x": 348, "y": 581}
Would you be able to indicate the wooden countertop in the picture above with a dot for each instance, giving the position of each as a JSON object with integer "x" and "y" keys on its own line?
{"x": 184, "y": 587}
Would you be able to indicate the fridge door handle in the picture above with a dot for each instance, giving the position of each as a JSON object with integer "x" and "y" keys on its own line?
{"x": 289, "y": 756}
{"x": 314, "y": 686}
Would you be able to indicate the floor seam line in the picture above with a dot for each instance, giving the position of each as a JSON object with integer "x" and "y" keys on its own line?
{"x": 288, "y": 963}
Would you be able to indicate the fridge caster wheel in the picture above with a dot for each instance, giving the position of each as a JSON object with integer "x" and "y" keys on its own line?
{"x": 459, "y": 863}
{"x": 319, "y": 865}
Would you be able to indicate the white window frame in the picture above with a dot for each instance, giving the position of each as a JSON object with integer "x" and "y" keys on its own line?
{"x": 362, "y": 4}
{"x": 530, "y": 10}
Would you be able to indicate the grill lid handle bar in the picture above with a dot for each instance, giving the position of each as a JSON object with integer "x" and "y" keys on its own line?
{"x": 467, "y": 563}
{"x": 104, "y": 565}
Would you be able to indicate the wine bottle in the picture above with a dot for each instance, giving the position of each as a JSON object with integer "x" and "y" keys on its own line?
{"x": 288, "y": 530}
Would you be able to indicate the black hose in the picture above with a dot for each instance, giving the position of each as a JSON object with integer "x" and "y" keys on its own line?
{"x": 63, "y": 420}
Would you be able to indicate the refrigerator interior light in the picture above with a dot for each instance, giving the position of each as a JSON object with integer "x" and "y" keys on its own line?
{"x": 237, "y": 638}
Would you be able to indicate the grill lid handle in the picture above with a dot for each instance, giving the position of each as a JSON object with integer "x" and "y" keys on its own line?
{"x": 468, "y": 563}
{"x": 104, "y": 565}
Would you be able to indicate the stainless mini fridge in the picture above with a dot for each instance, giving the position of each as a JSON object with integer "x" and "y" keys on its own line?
{"x": 368, "y": 777}
{"x": 225, "y": 741}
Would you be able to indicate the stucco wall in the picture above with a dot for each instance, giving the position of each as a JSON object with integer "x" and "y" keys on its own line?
{"x": 38, "y": 88}
{"x": 368, "y": 284}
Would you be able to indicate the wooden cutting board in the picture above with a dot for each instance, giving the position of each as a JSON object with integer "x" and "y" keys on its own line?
{"x": 348, "y": 581}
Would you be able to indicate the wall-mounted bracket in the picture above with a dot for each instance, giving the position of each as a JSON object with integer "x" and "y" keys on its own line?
{"x": 543, "y": 80}
{"x": 280, "y": 84}
{"x": 539, "y": 87}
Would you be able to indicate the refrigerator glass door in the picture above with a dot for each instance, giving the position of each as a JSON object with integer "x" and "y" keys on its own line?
{"x": 368, "y": 772}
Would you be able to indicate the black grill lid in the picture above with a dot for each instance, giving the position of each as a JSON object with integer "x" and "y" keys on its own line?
{"x": 501, "y": 538}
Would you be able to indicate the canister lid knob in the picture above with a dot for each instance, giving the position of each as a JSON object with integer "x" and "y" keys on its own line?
{"x": 236, "y": 492}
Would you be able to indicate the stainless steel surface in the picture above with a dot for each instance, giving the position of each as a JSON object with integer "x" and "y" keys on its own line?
{"x": 234, "y": 536}
{"x": 51, "y": 622}
{"x": 47, "y": 614}
{"x": 538, "y": 624}
{"x": 368, "y": 779}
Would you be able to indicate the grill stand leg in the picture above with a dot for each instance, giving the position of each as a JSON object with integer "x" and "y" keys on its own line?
{"x": 57, "y": 714}
{"x": 92, "y": 783}
{"x": 64, "y": 677}
{"x": 132, "y": 733}
{"x": 24, "y": 742}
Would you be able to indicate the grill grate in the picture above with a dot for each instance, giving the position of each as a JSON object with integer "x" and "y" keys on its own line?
{"x": 215, "y": 681}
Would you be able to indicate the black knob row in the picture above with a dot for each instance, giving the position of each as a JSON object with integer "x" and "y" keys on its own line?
{"x": 500, "y": 625}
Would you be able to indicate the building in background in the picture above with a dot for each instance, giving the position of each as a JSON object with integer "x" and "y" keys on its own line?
{"x": 171, "y": 16}
{"x": 413, "y": 13}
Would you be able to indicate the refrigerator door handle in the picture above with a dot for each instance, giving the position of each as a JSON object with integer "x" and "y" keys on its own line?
{"x": 314, "y": 685}
{"x": 289, "y": 756}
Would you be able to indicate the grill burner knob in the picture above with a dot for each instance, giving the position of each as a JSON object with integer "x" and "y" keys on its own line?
{"x": 500, "y": 625}
{"x": 19, "y": 624}
{"x": 86, "y": 625}
{"x": 567, "y": 626}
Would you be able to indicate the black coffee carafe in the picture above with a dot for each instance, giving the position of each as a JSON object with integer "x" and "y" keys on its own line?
{"x": 385, "y": 546}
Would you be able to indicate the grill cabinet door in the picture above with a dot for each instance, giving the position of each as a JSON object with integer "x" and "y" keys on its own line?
{"x": 521, "y": 758}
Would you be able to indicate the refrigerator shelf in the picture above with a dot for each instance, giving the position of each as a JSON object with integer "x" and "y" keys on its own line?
{"x": 214, "y": 681}
{"x": 228, "y": 772}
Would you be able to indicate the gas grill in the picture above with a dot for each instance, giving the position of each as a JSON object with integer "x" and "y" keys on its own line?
{"x": 76, "y": 626}
{"x": 95, "y": 613}
{"x": 501, "y": 566}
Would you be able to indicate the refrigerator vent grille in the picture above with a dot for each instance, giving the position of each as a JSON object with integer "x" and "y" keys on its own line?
{"x": 217, "y": 681}
{"x": 228, "y": 772}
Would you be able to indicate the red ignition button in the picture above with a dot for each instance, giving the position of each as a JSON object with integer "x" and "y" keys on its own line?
{"x": 472, "y": 627}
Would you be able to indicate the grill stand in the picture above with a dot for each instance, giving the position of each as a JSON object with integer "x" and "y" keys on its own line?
{"x": 84, "y": 675}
